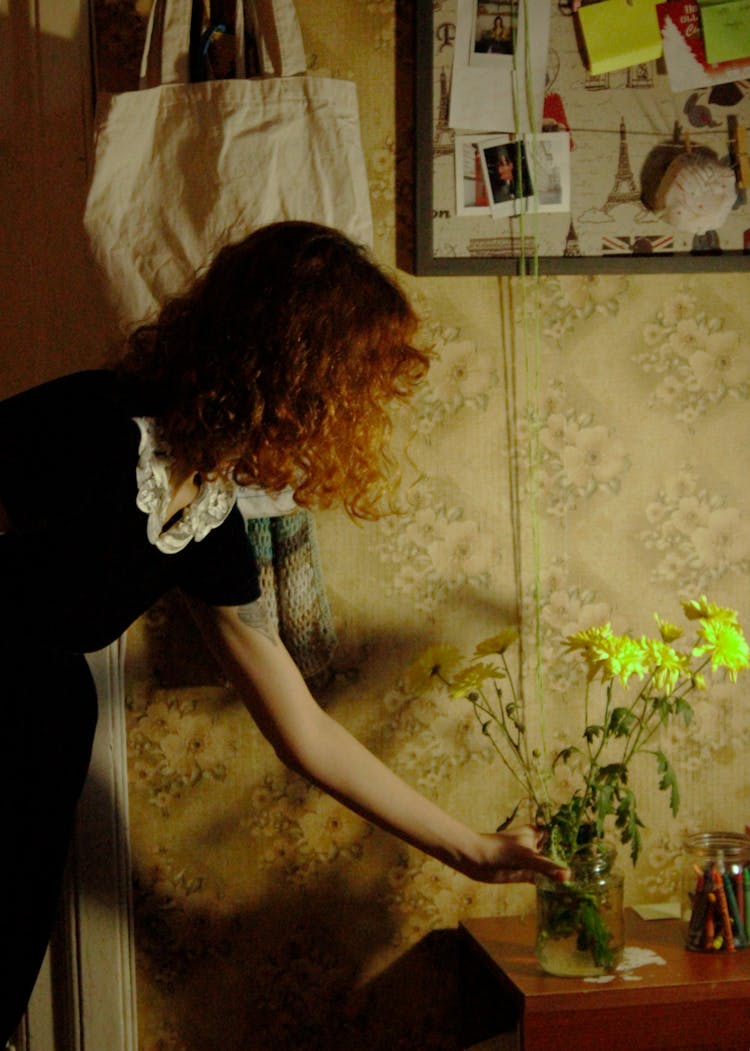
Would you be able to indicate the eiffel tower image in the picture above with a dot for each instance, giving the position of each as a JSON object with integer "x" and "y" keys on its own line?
{"x": 572, "y": 247}
{"x": 624, "y": 190}
{"x": 443, "y": 139}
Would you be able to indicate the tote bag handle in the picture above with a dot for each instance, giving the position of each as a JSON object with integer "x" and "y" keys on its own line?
{"x": 281, "y": 51}
{"x": 166, "y": 51}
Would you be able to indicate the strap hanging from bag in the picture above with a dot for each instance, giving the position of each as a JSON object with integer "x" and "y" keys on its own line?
{"x": 166, "y": 52}
{"x": 281, "y": 51}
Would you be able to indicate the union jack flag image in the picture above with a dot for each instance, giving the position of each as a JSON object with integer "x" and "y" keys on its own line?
{"x": 638, "y": 245}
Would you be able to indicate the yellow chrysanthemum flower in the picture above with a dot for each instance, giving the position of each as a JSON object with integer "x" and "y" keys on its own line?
{"x": 473, "y": 678}
{"x": 590, "y": 638}
{"x": 702, "y": 609}
{"x": 669, "y": 632}
{"x": 592, "y": 644}
{"x": 497, "y": 643}
{"x": 612, "y": 656}
{"x": 624, "y": 659}
{"x": 435, "y": 663}
{"x": 665, "y": 664}
{"x": 726, "y": 645}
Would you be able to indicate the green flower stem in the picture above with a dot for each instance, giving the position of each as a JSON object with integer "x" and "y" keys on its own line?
{"x": 501, "y": 722}
{"x": 515, "y": 745}
{"x": 640, "y": 740}
{"x": 523, "y": 752}
{"x": 587, "y": 717}
{"x": 589, "y": 795}
{"x": 520, "y": 704}
{"x": 521, "y": 779}
{"x": 518, "y": 745}
{"x": 687, "y": 686}
{"x": 642, "y": 722}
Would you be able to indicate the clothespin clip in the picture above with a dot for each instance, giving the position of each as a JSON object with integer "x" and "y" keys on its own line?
{"x": 739, "y": 156}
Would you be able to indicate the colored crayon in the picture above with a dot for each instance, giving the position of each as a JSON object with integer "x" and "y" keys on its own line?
{"x": 734, "y": 911}
{"x": 721, "y": 899}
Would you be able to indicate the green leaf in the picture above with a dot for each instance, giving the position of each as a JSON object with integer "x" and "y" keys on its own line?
{"x": 612, "y": 774}
{"x": 604, "y": 806}
{"x": 629, "y": 823}
{"x": 662, "y": 706}
{"x": 621, "y": 722}
{"x": 681, "y": 707}
{"x": 668, "y": 780}
{"x": 563, "y": 827}
{"x": 565, "y": 754}
{"x": 591, "y": 732}
{"x": 556, "y": 846}
{"x": 594, "y": 935}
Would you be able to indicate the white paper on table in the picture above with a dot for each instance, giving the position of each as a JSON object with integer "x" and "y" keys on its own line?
{"x": 493, "y": 97}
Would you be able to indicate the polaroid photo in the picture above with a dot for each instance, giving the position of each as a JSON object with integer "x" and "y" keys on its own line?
{"x": 549, "y": 159}
{"x": 507, "y": 175}
{"x": 472, "y": 193}
{"x": 488, "y": 95}
{"x": 494, "y": 32}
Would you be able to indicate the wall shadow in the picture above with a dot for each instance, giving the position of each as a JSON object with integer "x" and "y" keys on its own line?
{"x": 296, "y": 970}
{"x": 285, "y": 977}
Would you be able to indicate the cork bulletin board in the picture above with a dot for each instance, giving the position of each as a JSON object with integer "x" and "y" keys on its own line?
{"x": 623, "y": 127}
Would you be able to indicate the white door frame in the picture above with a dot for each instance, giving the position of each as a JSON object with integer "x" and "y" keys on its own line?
{"x": 85, "y": 998}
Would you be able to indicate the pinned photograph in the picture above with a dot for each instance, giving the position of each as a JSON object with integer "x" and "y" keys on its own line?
{"x": 499, "y": 65}
{"x": 495, "y": 27}
{"x": 472, "y": 194}
{"x": 507, "y": 175}
{"x": 549, "y": 158}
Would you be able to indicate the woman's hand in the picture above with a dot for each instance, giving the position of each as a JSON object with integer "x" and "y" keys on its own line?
{"x": 513, "y": 857}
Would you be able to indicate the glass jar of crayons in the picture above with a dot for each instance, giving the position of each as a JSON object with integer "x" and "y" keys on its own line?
{"x": 716, "y": 892}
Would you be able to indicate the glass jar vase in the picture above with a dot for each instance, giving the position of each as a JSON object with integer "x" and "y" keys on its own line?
{"x": 715, "y": 906}
{"x": 580, "y": 924}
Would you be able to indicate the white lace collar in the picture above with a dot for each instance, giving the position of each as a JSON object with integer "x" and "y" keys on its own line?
{"x": 213, "y": 502}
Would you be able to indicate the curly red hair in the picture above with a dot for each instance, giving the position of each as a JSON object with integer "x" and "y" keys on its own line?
{"x": 278, "y": 365}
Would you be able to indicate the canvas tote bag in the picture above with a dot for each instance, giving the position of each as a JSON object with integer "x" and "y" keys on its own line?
{"x": 181, "y": 169}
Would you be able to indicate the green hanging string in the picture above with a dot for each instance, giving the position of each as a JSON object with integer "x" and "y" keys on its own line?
{"x": 528, "y": 285}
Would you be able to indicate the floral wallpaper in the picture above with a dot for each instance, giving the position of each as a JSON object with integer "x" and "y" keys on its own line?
{"x": 584, "y": 436}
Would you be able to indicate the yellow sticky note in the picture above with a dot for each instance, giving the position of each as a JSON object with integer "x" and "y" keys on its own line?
{"x": 620, "y": 33}
{"x": 726, "y": 30}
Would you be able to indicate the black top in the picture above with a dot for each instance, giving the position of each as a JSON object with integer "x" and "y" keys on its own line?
{"x": 78, "y": 567}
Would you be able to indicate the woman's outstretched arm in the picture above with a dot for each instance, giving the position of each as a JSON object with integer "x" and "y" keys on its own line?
{"x": 309, "y": 741}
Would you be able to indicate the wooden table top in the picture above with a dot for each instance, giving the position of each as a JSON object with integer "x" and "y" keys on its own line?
{"x": 507, "y": 944}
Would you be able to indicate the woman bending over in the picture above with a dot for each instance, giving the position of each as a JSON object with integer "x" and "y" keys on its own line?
{"x": 275, "y": 370}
